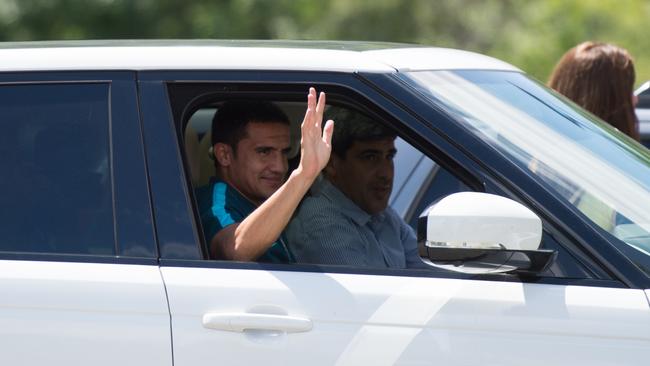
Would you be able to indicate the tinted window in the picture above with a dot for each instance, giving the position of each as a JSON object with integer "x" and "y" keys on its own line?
{"x": 54, "y": 156}
{"x": 419, "y": 182}
{"x": 442, "y": 184}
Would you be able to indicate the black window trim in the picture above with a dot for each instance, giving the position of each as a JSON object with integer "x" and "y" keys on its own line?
{"x": 81, "y": 258}
{"x": 408, "y": 272}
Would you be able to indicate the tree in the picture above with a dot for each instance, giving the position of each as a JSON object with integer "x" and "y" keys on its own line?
{"x": 529, "y": 34}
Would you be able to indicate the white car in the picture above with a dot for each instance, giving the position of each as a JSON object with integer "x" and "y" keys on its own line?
{"x": 537, "y": 243}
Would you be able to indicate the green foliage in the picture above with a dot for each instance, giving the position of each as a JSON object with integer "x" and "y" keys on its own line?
{"x": 529, "y": 34}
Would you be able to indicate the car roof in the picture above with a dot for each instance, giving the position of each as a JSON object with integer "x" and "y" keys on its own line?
{"x": 333, "y": 56}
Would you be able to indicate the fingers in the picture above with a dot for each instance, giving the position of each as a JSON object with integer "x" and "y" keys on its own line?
{"x": 314, "y": 113}
{"x": 327, "y": 132}
{"x": 311, "y": 106}
{"x": 320, "y": 108}
{"x": 311, "y": 99}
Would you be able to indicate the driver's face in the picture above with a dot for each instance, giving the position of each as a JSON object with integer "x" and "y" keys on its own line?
{"x": 366, "y": 173}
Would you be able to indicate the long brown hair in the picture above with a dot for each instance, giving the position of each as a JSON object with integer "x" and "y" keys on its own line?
{"x": 600, "y": 78}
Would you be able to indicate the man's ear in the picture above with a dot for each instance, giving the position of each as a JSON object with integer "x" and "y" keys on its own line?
{"x": 223, "y": 153}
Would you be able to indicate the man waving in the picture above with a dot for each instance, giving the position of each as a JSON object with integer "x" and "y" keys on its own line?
{"x": 247, "y": 205}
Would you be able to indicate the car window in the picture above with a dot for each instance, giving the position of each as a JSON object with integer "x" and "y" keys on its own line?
{"x": 607, "y": 175}
{"x": 56, "y": 186}
{"x": 418, "y": 180}
{"x": 422, "y": 182}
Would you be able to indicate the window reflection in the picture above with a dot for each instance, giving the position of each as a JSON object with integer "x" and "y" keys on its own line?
{"x": 595, "y": 168}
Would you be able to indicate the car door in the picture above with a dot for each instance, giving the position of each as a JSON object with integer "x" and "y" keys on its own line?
{"x": 246, "y": 313}
{"x": 293, "y": 316}
{"x": 78, "y": 272}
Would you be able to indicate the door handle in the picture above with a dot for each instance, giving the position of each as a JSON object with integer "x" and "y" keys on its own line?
{"x": 239, "y": 322}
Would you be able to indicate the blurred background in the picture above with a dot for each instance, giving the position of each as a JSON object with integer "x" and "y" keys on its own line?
{"x": 529, "y": 34}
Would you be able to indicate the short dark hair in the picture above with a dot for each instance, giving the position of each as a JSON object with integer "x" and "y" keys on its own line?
{"x": 232, "y": 117}
{"x": 351, "y": 126}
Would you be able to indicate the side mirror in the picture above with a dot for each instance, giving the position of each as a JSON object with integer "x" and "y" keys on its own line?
{"x": 478, "y": 233}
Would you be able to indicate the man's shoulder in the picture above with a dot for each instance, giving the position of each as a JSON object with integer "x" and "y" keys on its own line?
{"x": 227, "y": 194}
{"x": 208, "y": 188}
{"x": 220, "y": 200}
{"x": 207, "y": 194}
{"x": 316, "y": 204}
{"x": 390, "y": 212}
{"x": 394, "y": 217}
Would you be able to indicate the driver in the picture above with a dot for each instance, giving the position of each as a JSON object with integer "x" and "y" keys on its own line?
{"x": 346, "y": 220}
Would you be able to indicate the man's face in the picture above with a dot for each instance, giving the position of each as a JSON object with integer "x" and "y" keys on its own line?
{"x": 366, "y": 173}
{"x": 259, "y": 165}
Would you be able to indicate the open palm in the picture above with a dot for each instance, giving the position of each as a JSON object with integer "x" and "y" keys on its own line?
{"x": 315, "y": 143}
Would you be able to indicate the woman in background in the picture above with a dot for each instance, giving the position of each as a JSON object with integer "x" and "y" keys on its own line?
{"x": 599, "y": 77}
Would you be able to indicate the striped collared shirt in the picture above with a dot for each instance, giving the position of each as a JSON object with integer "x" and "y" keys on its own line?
{"x": 329, "y": 228}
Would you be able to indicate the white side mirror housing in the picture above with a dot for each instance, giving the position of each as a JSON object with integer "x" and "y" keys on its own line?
{"x": 481, "y": 220}
{"x": 474, "y": 232}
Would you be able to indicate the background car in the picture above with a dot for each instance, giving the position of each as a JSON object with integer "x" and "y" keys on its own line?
{"x": 643, "y": 112}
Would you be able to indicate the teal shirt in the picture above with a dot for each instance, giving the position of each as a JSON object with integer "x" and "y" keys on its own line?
{"x": 221, "y": 205}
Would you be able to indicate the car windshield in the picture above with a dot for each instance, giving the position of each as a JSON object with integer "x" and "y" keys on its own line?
{"x": 591, "y": 165}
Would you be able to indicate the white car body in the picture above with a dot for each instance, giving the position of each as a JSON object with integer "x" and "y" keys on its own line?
{"x": 83, "y": 313}
{"x": 229, "y": 56}
{"x": 67, "y": 313}
{"x": 385, "y": 320}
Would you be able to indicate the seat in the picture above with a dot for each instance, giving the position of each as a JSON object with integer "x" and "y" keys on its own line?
{"x": 205, "y": 160}
{"x": 191, "y": 140}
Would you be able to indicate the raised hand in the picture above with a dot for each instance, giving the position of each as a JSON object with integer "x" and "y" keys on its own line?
{"x": 315, "y": 143}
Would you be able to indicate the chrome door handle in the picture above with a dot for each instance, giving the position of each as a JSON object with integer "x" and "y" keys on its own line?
{"x": 239, "y": 322}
